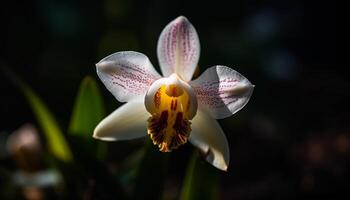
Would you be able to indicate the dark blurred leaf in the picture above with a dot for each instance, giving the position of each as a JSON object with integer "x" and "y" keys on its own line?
{"x": 88, "y": 109}
{"x": 151, "y": 174}
{"x": 88, "y": 177}
{"x": 201, "y": 180}
{"x": 56, "y": 141}
{"x": 128, "y": 170}
{"x": 54, "y": 136}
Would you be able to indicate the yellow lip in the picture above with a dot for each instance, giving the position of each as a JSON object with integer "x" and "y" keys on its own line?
{"x": 169, "y": 126}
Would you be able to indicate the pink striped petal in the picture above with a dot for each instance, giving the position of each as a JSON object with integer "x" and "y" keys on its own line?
{"x": 178, "y": 49}
{"x": 222, "y": 91}
{"x": 127, "y": 75}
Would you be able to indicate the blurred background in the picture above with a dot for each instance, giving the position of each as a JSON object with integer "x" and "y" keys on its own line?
{"x": 291, "y": 141}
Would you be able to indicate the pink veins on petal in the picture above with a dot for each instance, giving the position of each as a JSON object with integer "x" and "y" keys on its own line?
{"x": 132, "y": 78}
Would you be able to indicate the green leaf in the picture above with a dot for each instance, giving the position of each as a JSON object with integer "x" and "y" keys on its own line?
{"x": 54, "y": 136}
{"x": 56, "y": 141}
{"x": 201, "y": 180}
{"x": 88, "y": 109}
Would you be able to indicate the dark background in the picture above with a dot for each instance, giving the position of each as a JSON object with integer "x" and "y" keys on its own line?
{"x": 292, "y": 139}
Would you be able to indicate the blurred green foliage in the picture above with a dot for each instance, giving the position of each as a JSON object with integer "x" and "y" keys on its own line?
{"x": 54, "y": 136}
{"x": 88, "y": 109}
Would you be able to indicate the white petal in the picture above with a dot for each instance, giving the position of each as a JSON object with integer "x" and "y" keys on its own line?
{"x": 222, "y": 91}
{"x": 127, "y": 122}
{"x": 208, "y": 136}
{"x": 127, "y": 75}
{"x": 178, "y": 49}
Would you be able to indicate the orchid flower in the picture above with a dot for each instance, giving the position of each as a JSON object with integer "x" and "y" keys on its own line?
{"x": 172, "y": 109}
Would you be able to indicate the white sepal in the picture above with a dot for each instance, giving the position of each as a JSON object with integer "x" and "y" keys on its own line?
{"x": 127, "y": 122}
{"x": 208, "y": 136}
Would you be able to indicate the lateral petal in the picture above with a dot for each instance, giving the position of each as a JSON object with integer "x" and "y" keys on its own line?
{"x": 127, "y": 75}
{"x": 222, "y": 91}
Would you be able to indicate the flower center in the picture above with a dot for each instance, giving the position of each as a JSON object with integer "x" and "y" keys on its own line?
{"x": 169, "y": 125}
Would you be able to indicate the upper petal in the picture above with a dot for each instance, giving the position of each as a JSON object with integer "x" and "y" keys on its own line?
{"x": 222, "y": 91}
{"x": 127, "y": 75}
{"x": 178, "y": 49}
{"x": 127, "y": 122}
{"x": 208, "y": 136}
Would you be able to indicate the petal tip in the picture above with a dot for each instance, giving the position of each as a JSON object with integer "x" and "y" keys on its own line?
{"x": 100, "y": 66}
{"x": 225, "y": 169}
{"x": 97, "y": 132}
{"x": 181, "y": 18}
{"x": 107, "y": 139}
{"x": 219, "y": 165}
{"x": 217, "y": 160}
{"x": 181, "y": 21}
{"x": 95, "y": 136}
